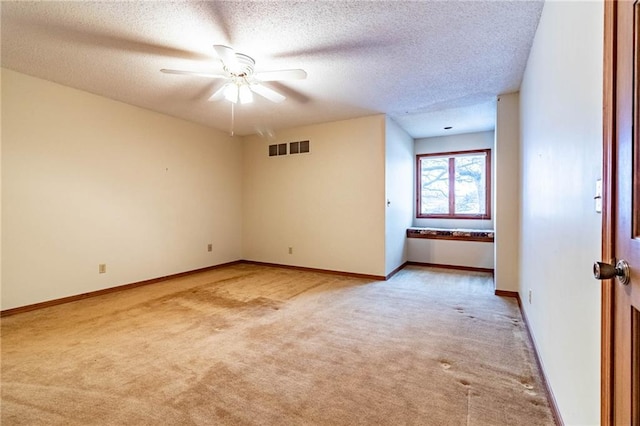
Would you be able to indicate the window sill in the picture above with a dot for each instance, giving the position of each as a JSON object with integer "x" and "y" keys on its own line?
{"x": 481, "y": 235}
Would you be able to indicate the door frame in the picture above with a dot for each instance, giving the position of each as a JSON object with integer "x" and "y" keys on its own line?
{"x": 608, "y": 209}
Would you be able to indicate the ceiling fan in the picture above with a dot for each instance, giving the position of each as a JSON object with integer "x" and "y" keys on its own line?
{"x": 241, "y": 79}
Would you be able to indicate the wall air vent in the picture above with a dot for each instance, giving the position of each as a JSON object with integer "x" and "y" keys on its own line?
{"x": 299, "y": 147}
{"x": 276, "y": 150}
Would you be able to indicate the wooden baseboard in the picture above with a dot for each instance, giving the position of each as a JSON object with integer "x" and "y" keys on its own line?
{"x": 507, "y": 293}
{"x": 324, "y": 271}
{"x": 456, "y": 267}
{"x": 87, "y": 295}
{"x": 395, "y": 271}
{"x": 550, "y": 396}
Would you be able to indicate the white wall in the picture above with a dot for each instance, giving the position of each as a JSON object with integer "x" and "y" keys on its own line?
{"x": 561, "y": 133}
{"x": 449, "y": 252}
{"x": 328, "y": 205}
{"x": 399, "y": 172}
{"x": 506, "y": 212}
{"x": 87, "y": 180}
{"x": 473, "y": 254}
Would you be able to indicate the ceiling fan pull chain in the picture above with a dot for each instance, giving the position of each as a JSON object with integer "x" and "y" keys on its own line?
{"x": 233, "y": 117}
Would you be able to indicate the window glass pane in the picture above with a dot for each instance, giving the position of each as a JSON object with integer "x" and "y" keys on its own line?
{"x": 435, "y": 185}
{"x": 470, "y": 184}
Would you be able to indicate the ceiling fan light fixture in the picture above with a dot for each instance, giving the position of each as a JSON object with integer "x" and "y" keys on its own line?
{"x": 231, "y": 93}
{"x": 246, "y": 97}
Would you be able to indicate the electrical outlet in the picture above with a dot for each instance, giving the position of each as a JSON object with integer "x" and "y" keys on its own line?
{"x": 290, "y": 250}
{"x": 102, "y": 268}
{"x": 529, "y": 296}
{"x": 209, "y": 247}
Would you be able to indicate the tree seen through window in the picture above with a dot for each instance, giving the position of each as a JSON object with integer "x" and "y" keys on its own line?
{"x": 454, "y": 184}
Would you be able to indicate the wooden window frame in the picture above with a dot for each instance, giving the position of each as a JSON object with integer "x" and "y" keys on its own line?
{"x": 452, "y": 215}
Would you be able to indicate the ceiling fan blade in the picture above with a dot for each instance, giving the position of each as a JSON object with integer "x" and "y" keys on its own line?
{"x": 265, "y": 92}
{"x": 218, "y": 94}
{"x": 227, "y": 55}
{"x": 200, "y": 74}
{"x": 296, "y": 74}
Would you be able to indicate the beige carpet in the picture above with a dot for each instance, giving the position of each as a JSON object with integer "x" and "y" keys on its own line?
{"x": 253, "y": 345}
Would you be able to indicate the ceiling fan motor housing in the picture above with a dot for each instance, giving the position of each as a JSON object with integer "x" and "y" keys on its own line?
{"x": 243, "y": 68}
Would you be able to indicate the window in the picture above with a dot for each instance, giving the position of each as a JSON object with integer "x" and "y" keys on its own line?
{"x": 454, "y": 185}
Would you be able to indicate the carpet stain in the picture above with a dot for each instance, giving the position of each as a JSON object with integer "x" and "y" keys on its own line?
{"x": 445, "y": 365}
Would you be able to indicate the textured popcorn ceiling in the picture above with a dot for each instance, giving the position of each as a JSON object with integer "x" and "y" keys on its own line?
{"x": 427, "y": 64}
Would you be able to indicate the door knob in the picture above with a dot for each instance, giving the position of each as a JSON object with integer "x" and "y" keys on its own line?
{"x": 605, "y": 271}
